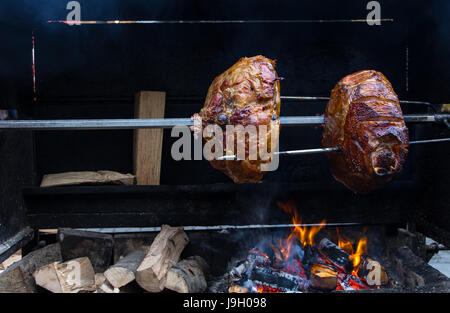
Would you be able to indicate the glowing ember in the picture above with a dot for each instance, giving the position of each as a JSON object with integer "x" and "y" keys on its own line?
{"x": 294, "y": 263}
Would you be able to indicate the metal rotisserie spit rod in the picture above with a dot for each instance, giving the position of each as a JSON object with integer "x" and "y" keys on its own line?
{"x": 99, "y": 124}
{"x": 326, "y": 150}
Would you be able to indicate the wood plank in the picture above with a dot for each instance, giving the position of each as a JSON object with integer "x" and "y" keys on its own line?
{"x": 86, "y": 177}
{"x": 18, "y": 277}
{"x": 148, "y": 142}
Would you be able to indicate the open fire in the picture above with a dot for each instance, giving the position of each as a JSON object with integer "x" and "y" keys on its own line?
{"x": 298, "y": 263}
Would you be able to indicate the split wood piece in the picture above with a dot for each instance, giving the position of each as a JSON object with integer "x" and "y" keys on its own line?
{"x": 278, "y": 279}
{"x": 15, "y": 257}
{"x": 323, "y": 276}
{"x": 87, "y": 177}
{"x": 237, "y": 289}
{"x": 187, "y": 276}
{"x": 103, "y": 286}
{"x": 99, "y": 279}
{"x": 68, "y": 277}
{"x": 202, "y": 263}
{"x": 124, "y": 271}
{"x": 148, "y": 142}
{"x": 372, "y": 271}
{"x": 413, "y": 271}
{"x": 98, "y": 247}
{"x": 335, "y": 255}
{"x": 19, "y": 276}
{"x": 164, "y": 253}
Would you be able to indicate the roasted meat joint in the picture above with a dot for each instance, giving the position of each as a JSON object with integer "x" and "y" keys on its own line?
{"x": 165, "y": 147}
{"x": 364, "y": 119}
{"x": 247, "y": 94}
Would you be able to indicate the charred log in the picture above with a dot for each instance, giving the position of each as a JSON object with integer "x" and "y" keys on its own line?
{"x": 335, "y": 255}
{"x": 323, "y": 277}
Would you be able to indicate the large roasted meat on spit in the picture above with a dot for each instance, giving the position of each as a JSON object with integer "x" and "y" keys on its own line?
{"x": 248, "y": 93}
{"x": 364, "y": 118}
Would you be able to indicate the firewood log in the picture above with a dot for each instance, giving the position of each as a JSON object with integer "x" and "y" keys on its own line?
{"x": 103, "y": 286}
{"x": 335, "y": 255}
{"x": 99, "y": 279}
{"x": 18, "y": 277}
{"x": 186, "y": 277}
{"x": 68, "y": 277}
{"x": 124, "y": 271}
{"x": 278, "y": 279}
{"x": 164, "y": 253}
{"x": 323, "y": 276}
{"x": 77, "y": 178}
{"x": 372, "y": 271}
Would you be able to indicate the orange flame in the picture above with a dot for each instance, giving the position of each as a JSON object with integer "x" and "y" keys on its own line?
{"x": 305, "y": 234}
{"x": 361, "y": 249}
{"x": 355, "y": 257}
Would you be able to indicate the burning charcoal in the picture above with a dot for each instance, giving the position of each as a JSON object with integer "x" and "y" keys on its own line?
{"x": 278, "y": 259}
{"x": 350, "y": 282}
{"x": 372, "y": 271}
{"x": 310, "y": 257}
{"x": 278, "y": 279}
{"x": 356, "y": 282}
{"x": 335, "y": 255}
{"x": 237, "y": 289}
{"x": 237, "y": 272}
{"x": 258, "y": 257}
{"x": 323, "y": 276}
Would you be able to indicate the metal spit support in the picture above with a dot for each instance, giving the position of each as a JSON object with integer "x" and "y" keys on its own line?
{"x": 103, "y": 124}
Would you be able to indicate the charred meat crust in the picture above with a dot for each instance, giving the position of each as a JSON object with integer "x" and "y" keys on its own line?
{"x": 364, "y": 118}
{"x": 248, "y": 93}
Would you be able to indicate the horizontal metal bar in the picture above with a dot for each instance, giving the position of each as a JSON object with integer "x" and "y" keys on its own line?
{"x": 203, "y": 228}
{"x": 429, "y": 141}
{"x": 97, "y": 124}
{"x": 326, "y": 150}
{"x": 119, "y": 22}
{"x": 320, "y": 98}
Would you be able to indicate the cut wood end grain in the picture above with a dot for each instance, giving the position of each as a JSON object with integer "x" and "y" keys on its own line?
{"x": 323, "y": 276}
{"x": 69, "y": 277}
{"x": 124, "y": 271}
{"x": 187, "y": 276}
{"x": 164, "y": 253}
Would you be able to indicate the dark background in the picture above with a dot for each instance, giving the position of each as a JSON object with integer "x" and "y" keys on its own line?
{"x": 93, "y": 71}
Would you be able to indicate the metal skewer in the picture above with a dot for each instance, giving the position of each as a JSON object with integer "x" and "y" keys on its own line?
{"x": 326, "y": 150}
{"x": 93, "y": 124}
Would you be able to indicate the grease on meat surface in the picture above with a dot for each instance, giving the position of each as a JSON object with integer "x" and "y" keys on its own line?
{"x": 364, "y": 118}
{"x": 248, "y": 93}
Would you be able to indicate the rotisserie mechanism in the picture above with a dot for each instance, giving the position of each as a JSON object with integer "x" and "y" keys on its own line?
{"x": 247, "y": 95}
{"x": 364, "y": 118}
